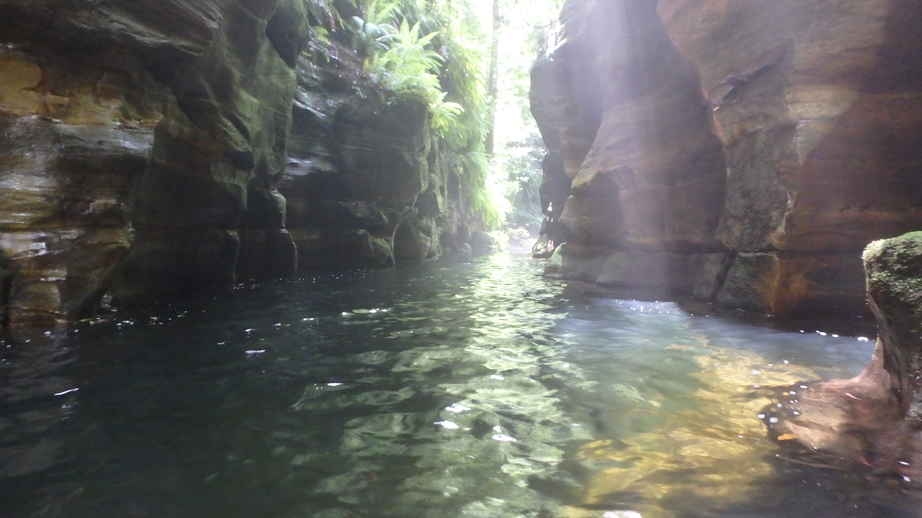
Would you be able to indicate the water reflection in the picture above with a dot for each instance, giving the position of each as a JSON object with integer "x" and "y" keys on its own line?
{"x": 476, "y": 390}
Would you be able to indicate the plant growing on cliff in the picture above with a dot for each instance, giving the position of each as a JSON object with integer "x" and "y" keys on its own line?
{"x": 434, "y": 51}
{"x": 410, "y": 66}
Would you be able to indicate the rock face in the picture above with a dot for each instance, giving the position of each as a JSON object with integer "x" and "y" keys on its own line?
{"x": 366, "y": 181}
{"x": 780, "y": 136}
{"x": 157, "y": 128}
{"x": 874, "y": 418}
{"x": 144, "y": 151}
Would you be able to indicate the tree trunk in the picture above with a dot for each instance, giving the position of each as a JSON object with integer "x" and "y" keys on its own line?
{"x": 493, "y": 80}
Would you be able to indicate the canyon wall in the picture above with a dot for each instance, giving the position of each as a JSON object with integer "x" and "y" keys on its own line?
{"x": 743, "y": 152}
{"x": 144, "y": 152}
{"x": 368, "y": 183}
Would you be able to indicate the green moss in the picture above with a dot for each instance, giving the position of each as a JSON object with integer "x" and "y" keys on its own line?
{"x": 894, "y": 272}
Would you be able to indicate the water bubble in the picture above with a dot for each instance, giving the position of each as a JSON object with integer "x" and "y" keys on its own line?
{"x": 863, "y": 339}
{"x": 822, "y": 333}
{"x": 501, "y": 437}
{"x": 761, "y": 416}
{"x": 255, "y": 352}
{"x": 773, "y": 420}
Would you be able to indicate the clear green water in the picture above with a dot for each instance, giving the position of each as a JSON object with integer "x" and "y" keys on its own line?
{"x": 479, "y": 390}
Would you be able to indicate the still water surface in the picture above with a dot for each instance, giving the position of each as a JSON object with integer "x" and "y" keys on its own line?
{"x": 477, "y": 390}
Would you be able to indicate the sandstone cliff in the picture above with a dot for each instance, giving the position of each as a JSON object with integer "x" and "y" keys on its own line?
{"x": 743, "y": 152}
{"x": 144, "y": 151}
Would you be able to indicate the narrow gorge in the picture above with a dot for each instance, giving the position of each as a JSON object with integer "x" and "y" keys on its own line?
{"x": 271, "y": 258}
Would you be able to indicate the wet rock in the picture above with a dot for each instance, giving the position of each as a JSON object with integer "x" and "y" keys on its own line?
{"x": 894, "y": 274}
{"x": 873, "y": 419}
{"x": 416, "y": 240}
{"x": 366, "y": 172}
{"x": 153, "y": 149}
{"x": 64, "y": 214}
{"x": 130, "y": 125}
{"x": 653, "y": 272}
{"x": 337, "y": 249}
{"x": 783, "y": 133}
{"x": 785, "y": 283}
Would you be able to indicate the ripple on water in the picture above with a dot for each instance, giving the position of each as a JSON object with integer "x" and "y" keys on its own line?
{"x": 482, "y": 390}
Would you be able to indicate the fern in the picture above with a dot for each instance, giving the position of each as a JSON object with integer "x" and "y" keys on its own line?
{"x": 433, "y": 51}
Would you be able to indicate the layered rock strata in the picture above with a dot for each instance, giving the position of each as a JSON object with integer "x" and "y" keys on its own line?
{"x": 144, "y": 152}
{"x": 367, "y": 181}
{"x": 154, "y": 130}
{"x": 744, "y": 151}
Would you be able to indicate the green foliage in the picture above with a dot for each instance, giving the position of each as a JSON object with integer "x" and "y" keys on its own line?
{"x": 433, "y": 50}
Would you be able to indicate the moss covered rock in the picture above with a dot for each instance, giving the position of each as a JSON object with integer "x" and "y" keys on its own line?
{"x": 894, "y": 274}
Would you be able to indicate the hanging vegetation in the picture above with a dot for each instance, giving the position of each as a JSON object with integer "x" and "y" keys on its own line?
{"x": 434, "y": 51}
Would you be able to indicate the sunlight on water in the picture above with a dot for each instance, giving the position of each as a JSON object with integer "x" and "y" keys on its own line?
{"x": 480, "y": 390}
{"x": 709, "y": 455}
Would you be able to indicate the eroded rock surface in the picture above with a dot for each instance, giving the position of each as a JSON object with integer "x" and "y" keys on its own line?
{"x": 366, "y": 181}
{"x": 784, "y": 135}
{"x": 874, "y": 419}
{"x": 144, "y": 151}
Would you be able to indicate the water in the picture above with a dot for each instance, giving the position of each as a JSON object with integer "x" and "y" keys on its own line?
{"x": 480, "y": 390}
